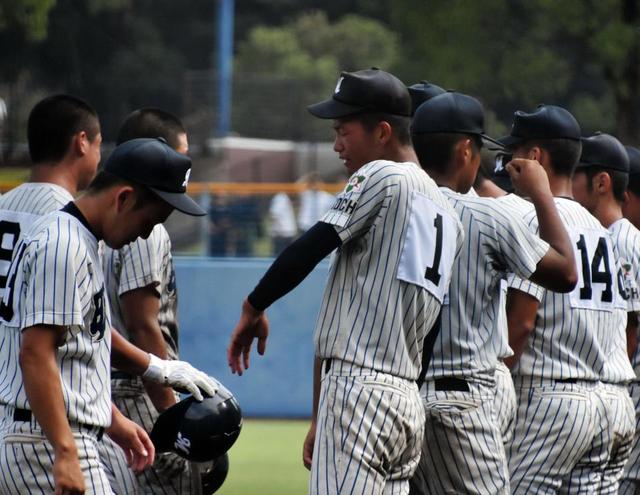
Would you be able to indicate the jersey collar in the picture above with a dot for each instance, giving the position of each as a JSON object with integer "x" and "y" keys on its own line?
{"x": 74, "y": 211}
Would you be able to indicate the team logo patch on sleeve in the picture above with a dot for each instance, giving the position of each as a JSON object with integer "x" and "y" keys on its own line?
{"x": 346, "y": 202}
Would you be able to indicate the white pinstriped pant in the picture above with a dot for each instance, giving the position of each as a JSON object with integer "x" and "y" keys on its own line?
{"x": 369, "y": 433}
{"x": 561, "y": 438}
{"x": 621, "y": 421}
{"x": 630, "y": 483}
{"x": 505, "y": 404}
{"x": 26, "y": 460}
{"x": 463, "y": 451}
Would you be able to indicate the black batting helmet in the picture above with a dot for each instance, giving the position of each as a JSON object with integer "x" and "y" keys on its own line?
{"x": 213, "y": 477}
{"x": 199, "y": 431}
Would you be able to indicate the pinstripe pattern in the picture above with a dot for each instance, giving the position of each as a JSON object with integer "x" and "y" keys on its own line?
{"x": 567, "y": 342}
{"x": 59, "y": 282}
{"x": 380, "y": 301}
{"x": 145, "y": 262}
{"x": 369, "y": 316}
{"x": 505, "y": 404}
{"x": 549, "y": 419}
{"x": 463, "y": 451}
{"x": 148, "y": 262}
{"x": 114, "y": 463}
{"x": 26, "y": 446}
{"x": 630, "y": 483}
{"x": 369, "y": 433}
{"x": 495, "y": 243}
{"x": 463, "y": 428}
{"x": 620, "y": 421}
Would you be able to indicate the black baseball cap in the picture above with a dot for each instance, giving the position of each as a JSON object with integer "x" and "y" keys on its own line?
{"x": 546, "y": 122}
{"x": 421, "y": 92}
{"x": 450, "y": 112}
{"x": 603, "y": 150}
{"x": 365, "y": 91}
{"x": 634, "y": 160}
{"x": 152, "y": 163}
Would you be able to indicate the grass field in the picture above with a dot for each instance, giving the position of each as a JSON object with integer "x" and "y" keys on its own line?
{"x": 267, "y": 459}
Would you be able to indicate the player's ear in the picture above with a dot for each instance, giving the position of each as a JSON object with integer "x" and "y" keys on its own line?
{"x": 602, "y": 182}
{"x": 80, "y": 143}
{"x": 535, "y": 153}
{"x": 384, "y": 132}
{"x": 125, "y": 198}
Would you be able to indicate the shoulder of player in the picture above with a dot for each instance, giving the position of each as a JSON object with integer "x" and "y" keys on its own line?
{"x": 38, "y": 198}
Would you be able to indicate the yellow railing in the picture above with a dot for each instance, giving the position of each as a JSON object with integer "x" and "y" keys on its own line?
{"x": 233, "y": 188}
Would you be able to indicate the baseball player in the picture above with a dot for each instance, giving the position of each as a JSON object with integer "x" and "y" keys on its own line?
{"x": 396, "y": 238}
{"x": 556, "y": 376}
{"x": 599, "y": 184}
{"x": 140, "y": 284}
{"x": 463, "y": 451}
{"x": 57, "y": 323}
{"x": 630, "y": 483}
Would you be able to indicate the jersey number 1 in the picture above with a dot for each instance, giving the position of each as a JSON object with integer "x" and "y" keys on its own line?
{"x": 432, "y": 272}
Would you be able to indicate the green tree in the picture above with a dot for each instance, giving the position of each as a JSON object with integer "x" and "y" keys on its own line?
{"x": 26, "y": 16}
{"x": 515, "y": 54}
{"x": 280, "y": 70}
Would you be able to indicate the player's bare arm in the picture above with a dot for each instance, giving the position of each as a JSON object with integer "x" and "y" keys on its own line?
{"x": 133, "y": 440}
{"x": 42, "y": 385}
{"x": 178, "y": 374}
{"x": 307, "y": 448}
{"x": 140, "y": 308}
{"x": 557, "y": 269}
{"x": 522, "y": 311}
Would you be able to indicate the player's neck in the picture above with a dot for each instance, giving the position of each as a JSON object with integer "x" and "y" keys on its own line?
{"x": 55, "y": 173}
{"x": 607, "y": 211}
{"x": 400, "y": 153}
{"x": 560, "y": 186}
{"x": 92, "y": 208}
{"x": 487, "y": 189}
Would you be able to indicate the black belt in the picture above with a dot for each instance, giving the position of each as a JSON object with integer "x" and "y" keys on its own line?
{"x": 24, "y": 415}
{"x": 449, "y": 383}
{"x": 568, "y": 380}
{"x": 327, "y": 365}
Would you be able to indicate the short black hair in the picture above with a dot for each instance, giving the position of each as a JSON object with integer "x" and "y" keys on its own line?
{"x": 54, "y": 121}
{"x": 105, "y": 180}
{"x": 564, "y": 153}
{"x": 435, "y": 150}
{"x": 634, "y": 184}
{"x": 619, "y": 180}
{"x": 151, "y": 123}
{"x": 400, "y": 125}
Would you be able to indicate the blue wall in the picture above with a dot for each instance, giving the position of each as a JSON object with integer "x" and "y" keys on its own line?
{"x": 210, "y": 292}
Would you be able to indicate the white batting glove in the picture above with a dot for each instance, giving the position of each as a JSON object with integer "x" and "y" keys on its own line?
{"x": 181, "y": 375}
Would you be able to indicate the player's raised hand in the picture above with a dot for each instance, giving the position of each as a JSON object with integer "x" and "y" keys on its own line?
{"x": 529, "y": 178}
{"x": 253, "y": 324}
{"x": 133, "y": 440}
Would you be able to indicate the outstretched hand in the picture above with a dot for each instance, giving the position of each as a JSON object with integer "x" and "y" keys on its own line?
{"x": 253, "y": 324}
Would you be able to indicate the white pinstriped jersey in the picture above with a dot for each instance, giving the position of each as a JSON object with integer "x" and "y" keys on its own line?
{"x": 495, "y": 242}
{"x": 56, "y": 279}
{"x": 573, "y": 331}
{"x": 139, "y": 264}
{"x": 389, "y": 277}
{"x": 626, "y": 240}
{"x": 19, "y": 208}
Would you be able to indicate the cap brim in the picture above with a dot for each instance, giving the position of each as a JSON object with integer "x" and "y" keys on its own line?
{"x": 509, "y": 141}
{"x": 491, "y": 143}
{"x": 333, "y": 109}
{"x": 181, "y": 202}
